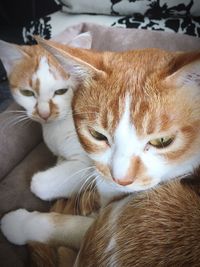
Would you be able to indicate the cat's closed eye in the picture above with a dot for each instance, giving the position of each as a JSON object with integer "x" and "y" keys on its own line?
{"x": 162, "y": 142}
{"x": 61, "y": 91}
{"x": 98, "y": 136}
{"x": 27, "y": 92}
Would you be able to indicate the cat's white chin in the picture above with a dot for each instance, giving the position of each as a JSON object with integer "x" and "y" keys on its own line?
{"x": 109, "y": 190}
{"x": 136, "y": 187}
{"x": 42, "y": 121}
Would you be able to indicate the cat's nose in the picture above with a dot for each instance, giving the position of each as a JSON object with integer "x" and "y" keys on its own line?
{"x": 43, "y": 110}
{"x": 123, "y": 182}
{"x": 44, "y": 115}
{"x": 127, "y": 173}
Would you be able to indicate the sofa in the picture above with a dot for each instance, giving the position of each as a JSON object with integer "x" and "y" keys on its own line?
{"x": 22, "y": 151}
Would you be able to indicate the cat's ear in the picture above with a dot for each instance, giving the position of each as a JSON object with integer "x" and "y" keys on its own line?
{"x": 78, "y": 68}
{"x": 83, "y": 40}
{"x": 185, "y": 70}
{"x": 10, "y": 54}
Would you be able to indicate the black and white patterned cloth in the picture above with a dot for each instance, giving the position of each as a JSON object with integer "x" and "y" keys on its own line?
{"x": 180, "y": 16}
{"x": 130, "y": 7}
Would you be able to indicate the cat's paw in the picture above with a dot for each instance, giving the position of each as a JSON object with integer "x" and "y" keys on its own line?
{"x": 21, "y": 226}
{"x": 40, "y": 186}
{"x": 13, "y": 226}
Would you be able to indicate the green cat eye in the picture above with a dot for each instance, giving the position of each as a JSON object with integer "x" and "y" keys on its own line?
{"x": 162, "y": 142}
{"x": 60, "y": 91}
{"x": 27, "y": 92}
{"x": 98, "y": 136}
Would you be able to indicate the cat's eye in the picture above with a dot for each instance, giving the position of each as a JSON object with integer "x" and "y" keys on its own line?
{"x": 27, "y": 92}
{"x": 98, "y": 136}
{"x": 61, "y": 91}
{"x": 162, "y": 142}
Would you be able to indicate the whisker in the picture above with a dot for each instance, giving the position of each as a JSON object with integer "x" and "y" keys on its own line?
{"x": 64, "y": 115}
{"x": 15, "y": 111}
{"x": 78, "y": 195}
{"x": 82, "y": 189}
{"x": 91, "y": 190}
{"x": 56, "y": 189}
{"x": 85, "y": 183}
{"x": 15, "y": 119}
{"x": 20, "y": 120}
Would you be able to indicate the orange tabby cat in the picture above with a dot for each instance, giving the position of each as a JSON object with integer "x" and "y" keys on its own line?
{"x": 137, "y": 115}
{"x": 160, "y": 227}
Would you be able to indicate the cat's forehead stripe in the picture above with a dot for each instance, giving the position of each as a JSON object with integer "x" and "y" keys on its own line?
{"x": 42, "y": 76}
{"x": 36, "y": 85}
{"x": 42, "y": 64}
{"x": 145, "y": 117}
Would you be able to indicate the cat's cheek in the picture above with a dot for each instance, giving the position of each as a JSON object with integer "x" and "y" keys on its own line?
{"x": 19, "y": 99}
{"x": 28, "y": 103}
{"x": 62, "y": 104}
{"x": 104, "y": 170}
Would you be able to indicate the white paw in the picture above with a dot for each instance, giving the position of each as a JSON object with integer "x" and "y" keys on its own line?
{"x": 40, "y": 186}
{"x": 21, "y": 226}
{"x": 13, "y": 226}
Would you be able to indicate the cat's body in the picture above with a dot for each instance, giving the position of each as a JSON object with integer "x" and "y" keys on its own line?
{"x": 160, "y": 227}
{"x": 137, "y": 116}
{"x": 28, "y": 69}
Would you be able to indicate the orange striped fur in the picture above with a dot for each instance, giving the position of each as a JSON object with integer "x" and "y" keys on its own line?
{"x": 155, "y": 228}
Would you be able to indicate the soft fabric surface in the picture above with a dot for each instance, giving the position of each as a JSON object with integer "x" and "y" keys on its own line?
{"x": 21, "y": 150}
{"x": 5, "y": 96}
{"x": 54, "y": 23}
{"x": 180, "y": 16}
{"x": 128, "y": 7}
{"x": 16, "y": 140}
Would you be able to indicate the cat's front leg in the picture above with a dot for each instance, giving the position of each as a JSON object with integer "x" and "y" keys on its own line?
{"x": 22, "y": 226}
{"x": 62, "y": 180}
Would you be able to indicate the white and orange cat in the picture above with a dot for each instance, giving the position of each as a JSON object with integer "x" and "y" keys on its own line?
{"x": 41, "y": 87}
{"x": 136, "y": 115}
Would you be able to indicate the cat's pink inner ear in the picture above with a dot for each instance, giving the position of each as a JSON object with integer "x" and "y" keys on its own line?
{"x": 83, "y": 40}
{"x": 74, "y": 65}
{"x": 10, "y": 54}
{"x": 187, "y": 70}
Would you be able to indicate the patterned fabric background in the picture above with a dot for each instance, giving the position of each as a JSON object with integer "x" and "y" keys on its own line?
{"x": 181, "y": 16}
{"x": 174, "y": 15}
{"x": 130, "y": 7}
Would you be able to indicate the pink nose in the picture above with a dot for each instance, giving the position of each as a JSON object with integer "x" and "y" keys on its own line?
{"x": 123, "y": 181}
{"x": 44, "y": 115}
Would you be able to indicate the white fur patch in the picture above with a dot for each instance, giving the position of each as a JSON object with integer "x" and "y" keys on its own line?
{"x": 63, "y": 180}
{"x": 21, "y": 226}
{"x": 126, "y": 144}
{"x": 111, "y": 245}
